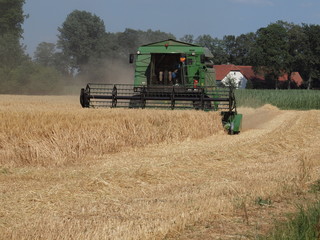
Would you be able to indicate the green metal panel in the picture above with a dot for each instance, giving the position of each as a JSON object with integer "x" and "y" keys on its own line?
{"x": 233, "y": 122}
{"x": 141, "y": 69}
{"x": 237, "y": 123}
{"x": 169, "y": 46}
{"x": 193, "y": 66}
{"x": 210, "y": 76}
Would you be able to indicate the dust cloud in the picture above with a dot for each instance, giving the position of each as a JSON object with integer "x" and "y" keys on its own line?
{"x": 114, "y": 71}
{"x": 118, "y": 72}
{"x": 110, "y": 71}
{"x": 257, "y": 118}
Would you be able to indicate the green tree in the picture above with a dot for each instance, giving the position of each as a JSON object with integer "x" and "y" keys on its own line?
{"x": 128, "y": 41}
{"x": 131, "y": 39}
{"x": 11, "y": 17}
{"x": 188, "y": 38}
{"x": 216, "y": 46}
{"x": 230, "y": 48}
{"x": 271, "y": 52}
{"x": 296, "y": 45}
{"x": 82, "y": 36}
{"x": 11, "y": 51}
{"x": 61, "y": 63}
{"x": 311, "y": 53}
{"x": 155, "y": 36}
{"x": 45, "y": 54}
{"x": 243, "y": 47}
{"x": 11, "y": 20}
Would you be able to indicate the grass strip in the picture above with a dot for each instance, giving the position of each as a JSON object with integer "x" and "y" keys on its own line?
{"x": 304, "y": 225}
{"x": 283, "y": 99}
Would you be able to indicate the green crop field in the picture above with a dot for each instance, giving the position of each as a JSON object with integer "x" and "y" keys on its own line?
{"x": 283, "y": 99}
{"x": 303, "y": 225}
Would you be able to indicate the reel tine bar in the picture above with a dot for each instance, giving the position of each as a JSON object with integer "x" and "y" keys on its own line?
{"x": 122, "y": 95}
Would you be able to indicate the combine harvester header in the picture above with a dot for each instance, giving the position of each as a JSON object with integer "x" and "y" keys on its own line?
{"x": 171, "y": 75}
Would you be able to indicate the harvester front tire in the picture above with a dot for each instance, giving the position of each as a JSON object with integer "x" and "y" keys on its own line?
{"x": 206, "y": 106}
{"x": 83, "y": 98}
{"x": 135, "y": 103}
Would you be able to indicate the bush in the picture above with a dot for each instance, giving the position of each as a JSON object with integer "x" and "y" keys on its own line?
{"x": 30, "y": 78}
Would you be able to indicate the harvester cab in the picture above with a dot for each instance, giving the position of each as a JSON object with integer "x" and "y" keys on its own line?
{"x": 171, "y": 75}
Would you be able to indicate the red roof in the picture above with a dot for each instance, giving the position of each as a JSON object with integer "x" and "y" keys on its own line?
{"x": 248, "y": 73}
{"x": 295, "y": 77}
{"x": 223, "y": 70}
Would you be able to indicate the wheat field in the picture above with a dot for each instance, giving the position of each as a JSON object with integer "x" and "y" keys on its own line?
{"x": 73, "y": 173}
{"x": 40, "y": 131}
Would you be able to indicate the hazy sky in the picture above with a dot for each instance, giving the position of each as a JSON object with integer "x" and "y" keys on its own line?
{"x": 179, "y": 17}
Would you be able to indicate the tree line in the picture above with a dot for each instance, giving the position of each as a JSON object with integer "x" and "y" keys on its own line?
{"x": 84, "y": 45}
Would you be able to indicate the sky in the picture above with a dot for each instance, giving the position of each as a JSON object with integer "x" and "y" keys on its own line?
{"x": 216, "y": 18}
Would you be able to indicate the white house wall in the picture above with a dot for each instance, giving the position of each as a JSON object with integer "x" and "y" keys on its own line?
{"x": 239, "y": 79}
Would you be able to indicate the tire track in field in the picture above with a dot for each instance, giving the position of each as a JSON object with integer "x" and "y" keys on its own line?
{"x": 289, "y": 139}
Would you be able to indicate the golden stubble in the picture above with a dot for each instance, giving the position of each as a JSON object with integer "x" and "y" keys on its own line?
{"x": 167, "y": 172}
{"x": 49, "y": 133}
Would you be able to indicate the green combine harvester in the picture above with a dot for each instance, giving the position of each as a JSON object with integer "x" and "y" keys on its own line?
{"x": 170, "y": 75}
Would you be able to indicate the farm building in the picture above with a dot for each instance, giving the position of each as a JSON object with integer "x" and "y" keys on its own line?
{"x": 242, "y": 74}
